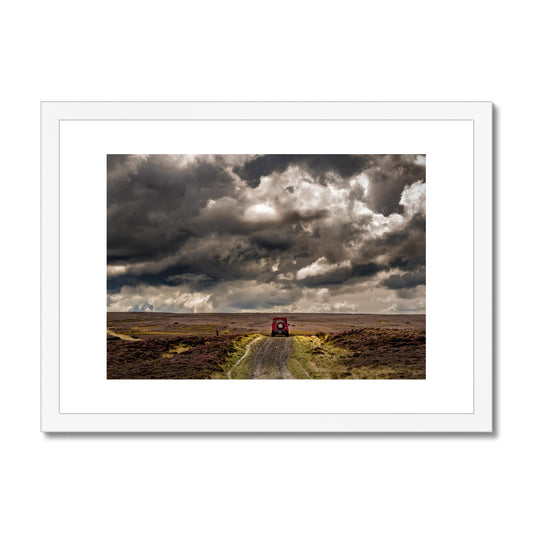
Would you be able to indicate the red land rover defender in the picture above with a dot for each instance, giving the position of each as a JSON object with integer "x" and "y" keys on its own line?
{"x": 279, "y": 327}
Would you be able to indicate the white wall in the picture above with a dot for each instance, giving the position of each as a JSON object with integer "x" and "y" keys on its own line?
{"x": 245, "y": 51}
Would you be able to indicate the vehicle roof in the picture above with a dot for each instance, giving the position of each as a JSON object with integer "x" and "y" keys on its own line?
{"x": 279, "y": 318}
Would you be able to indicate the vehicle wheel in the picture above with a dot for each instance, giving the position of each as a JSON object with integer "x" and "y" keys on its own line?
{"x": 271, "y": 333}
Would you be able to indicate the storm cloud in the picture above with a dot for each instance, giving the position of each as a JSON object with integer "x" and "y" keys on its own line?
{"x": 307, "y": 233}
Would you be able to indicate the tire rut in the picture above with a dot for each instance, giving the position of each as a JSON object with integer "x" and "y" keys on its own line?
{"x": 269, "y": 359}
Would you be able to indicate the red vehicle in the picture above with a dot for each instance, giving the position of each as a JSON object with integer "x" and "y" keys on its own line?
{"x": 280, "y": 326}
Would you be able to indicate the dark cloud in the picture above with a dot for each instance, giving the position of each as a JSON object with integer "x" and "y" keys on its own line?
{"x": 340, "y": 276}
{"x": 195, "y": 228}
{"x": 316, "y": 165}
{"x": 406, "y": 281}
{"x": 150, "y": 204}
{"x": 273, "y": 242}
{"x": 404, "y": 248}
{"x": 387, "y": 180}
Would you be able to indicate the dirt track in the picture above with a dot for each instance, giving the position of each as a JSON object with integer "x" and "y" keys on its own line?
{"x": 269, "y": 359}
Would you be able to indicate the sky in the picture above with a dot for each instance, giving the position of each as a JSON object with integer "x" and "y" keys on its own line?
{"x": 266, "y": 233}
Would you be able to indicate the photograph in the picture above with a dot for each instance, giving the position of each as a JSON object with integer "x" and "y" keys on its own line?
{"x": 269, "y": 266}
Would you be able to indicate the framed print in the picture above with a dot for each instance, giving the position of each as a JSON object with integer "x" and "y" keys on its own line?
{"x": 266, "y": 267}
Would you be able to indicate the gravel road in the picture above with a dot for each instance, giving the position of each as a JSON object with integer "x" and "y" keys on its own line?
{"x": 269, "y": 359}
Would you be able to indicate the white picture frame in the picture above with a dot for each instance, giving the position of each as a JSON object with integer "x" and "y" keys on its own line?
{"x": 457, "y": 393}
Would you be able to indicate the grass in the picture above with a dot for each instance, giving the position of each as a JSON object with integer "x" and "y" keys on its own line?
{"x": 295, "y": 367}
{"x": 316, "y": 358}
{"x": 383, "y": 353}
{"x": 356, "y": 355}
{"x": 122, "y": 336}
{"x": 325, "y": 346}
{"x": 238, "y": 349}
{"x": 376, "y": 372}
{"x": 176, "y": 350}
{"x": 172, "y": 357}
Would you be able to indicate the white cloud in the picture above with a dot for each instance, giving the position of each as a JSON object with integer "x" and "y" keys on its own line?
{"x": 116, "y": 270}
{"x": 319, "y": 267}
{"x": 162, "y": 298}
{"x": 414, "y": 198}
{"x": 262, "y": 212}
{"x": 381, "y": 224}
{"x": 252, "y": 296}
{"x": 360, "y": 181}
